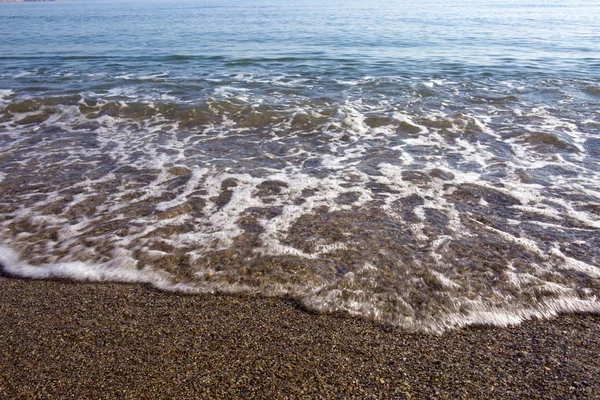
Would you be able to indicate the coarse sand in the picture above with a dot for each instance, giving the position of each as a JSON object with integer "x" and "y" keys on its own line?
{"x": 78, "y": 340}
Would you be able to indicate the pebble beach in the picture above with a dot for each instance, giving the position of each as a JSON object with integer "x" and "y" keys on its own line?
{"x": 77, "y": 340}
{"x": 206, "y": 199}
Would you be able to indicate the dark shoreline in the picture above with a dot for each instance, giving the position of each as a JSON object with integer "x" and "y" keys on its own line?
{"x": 76, "y": 340}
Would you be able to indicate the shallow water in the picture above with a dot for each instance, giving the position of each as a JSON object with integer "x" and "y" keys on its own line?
{"x": 427, "y": 165}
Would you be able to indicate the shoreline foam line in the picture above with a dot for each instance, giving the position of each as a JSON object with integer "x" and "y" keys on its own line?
{"x": 13, "y": 267}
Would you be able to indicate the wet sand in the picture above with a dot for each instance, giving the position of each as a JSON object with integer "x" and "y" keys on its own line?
{"x": 74, "y": 340}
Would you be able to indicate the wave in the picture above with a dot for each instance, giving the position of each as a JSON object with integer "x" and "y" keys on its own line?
{"x": 449, "y": 209}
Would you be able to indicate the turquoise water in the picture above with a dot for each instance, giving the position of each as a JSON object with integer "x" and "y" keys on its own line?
{"x": 425, "y": 164}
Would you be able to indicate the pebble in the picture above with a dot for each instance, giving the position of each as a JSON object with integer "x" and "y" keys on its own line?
{"x": 128, "y": 341}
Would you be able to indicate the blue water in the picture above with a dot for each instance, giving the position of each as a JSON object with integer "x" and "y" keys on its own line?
{"x": 426, "y": 164}
{"x": 346, "y": 38}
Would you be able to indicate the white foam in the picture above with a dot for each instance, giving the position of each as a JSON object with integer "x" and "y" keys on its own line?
{"x": 513, "y": 316}
{"x": 5, "y": 95}
{"x": 125, "y": 76}
{"x": 526, "y": 243}
{"x": 191, "y": 185}
{"x": 22, "y": 74}
{"x": 154, "y": 76}
{"x": 576, "y": 265}
{"x": 444, "y": 280}
{"x": 116, "y": 270}
{"x": 352, "y": 156}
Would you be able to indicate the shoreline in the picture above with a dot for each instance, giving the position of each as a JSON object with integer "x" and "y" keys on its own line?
{"x": 90, "y": 340}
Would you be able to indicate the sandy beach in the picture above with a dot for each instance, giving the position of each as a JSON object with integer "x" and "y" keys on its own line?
{"x": 74, "y": 340}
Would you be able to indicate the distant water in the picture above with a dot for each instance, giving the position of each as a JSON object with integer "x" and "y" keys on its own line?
{"x": 427, "y": 164}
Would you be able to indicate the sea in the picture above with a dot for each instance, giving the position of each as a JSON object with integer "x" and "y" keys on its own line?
{"x": 424, "y": 164}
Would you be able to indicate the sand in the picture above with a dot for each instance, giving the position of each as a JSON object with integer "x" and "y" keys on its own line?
{"x": 75, "y": 340}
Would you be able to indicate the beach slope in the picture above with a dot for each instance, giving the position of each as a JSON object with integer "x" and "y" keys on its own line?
{"x": 61, "y": 339}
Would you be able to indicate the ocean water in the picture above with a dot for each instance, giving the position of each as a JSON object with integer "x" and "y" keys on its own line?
{"x": 426, "y": 164}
